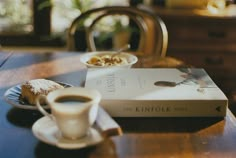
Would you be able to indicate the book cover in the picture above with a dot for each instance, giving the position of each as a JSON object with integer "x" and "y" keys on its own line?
{"x": 158, "y": 92}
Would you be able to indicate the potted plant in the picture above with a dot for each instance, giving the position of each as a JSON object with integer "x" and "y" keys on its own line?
{"x": 121, "y": 35}
{"x": 114, "y": 33}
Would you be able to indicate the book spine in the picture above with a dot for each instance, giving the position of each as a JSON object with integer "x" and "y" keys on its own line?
{"x": 187, "y": 108}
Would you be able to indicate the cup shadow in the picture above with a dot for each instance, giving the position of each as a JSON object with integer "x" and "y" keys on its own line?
{"x": 106, "y": 148}
{"x": 43, "y": 150}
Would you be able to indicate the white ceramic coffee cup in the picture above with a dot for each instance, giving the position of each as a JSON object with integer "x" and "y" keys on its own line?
{"x": 74, "y": 119}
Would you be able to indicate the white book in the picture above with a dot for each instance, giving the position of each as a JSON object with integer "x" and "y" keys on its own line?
{"x": 158, "y": 92}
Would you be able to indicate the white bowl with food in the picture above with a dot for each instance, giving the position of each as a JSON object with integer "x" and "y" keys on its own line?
{"x": 106, "y": 59}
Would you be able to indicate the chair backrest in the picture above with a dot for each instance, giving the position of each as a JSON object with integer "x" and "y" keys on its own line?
{"x": 153, "y": 33}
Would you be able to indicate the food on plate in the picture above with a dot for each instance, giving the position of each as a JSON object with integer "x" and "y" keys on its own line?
{"x": 107, "y": 60}
{"x": 33, "y": 88}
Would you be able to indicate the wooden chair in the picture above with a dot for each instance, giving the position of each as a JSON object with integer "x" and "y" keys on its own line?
{"x": 153, "y": 39}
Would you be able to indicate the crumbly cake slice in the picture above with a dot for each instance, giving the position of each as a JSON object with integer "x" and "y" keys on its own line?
{"x": 33, "y": 88}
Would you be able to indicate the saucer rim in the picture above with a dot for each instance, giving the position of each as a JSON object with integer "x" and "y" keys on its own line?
{"x": 78, "y": 145}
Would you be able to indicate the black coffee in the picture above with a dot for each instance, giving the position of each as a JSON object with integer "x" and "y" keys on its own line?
{"x": 72, "y": 99}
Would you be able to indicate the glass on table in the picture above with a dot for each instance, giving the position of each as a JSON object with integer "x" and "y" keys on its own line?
{"x": 216, "y": 6}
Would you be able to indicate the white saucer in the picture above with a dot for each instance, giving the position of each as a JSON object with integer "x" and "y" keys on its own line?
{"x": 46, "y": 130}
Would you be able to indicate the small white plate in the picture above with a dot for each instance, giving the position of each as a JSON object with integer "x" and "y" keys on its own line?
{"x": 45, "y": 129}
{"x": 13, "y": 97}
{"x": 131, "y": 58}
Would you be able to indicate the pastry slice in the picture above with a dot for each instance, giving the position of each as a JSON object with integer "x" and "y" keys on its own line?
{"x": 30, "y": 90}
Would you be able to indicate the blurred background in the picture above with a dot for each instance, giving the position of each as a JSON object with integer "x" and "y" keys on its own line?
{"x": 202, "y": 33}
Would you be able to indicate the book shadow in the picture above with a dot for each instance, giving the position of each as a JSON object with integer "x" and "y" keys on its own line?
{"x": 23, "y": 118}
{"x": 166, "y": 124}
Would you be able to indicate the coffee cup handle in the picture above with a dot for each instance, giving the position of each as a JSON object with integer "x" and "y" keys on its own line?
{"x": 40, "y": 108}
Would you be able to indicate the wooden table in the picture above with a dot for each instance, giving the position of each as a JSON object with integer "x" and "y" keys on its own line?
{"x": 143, "y": 137}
